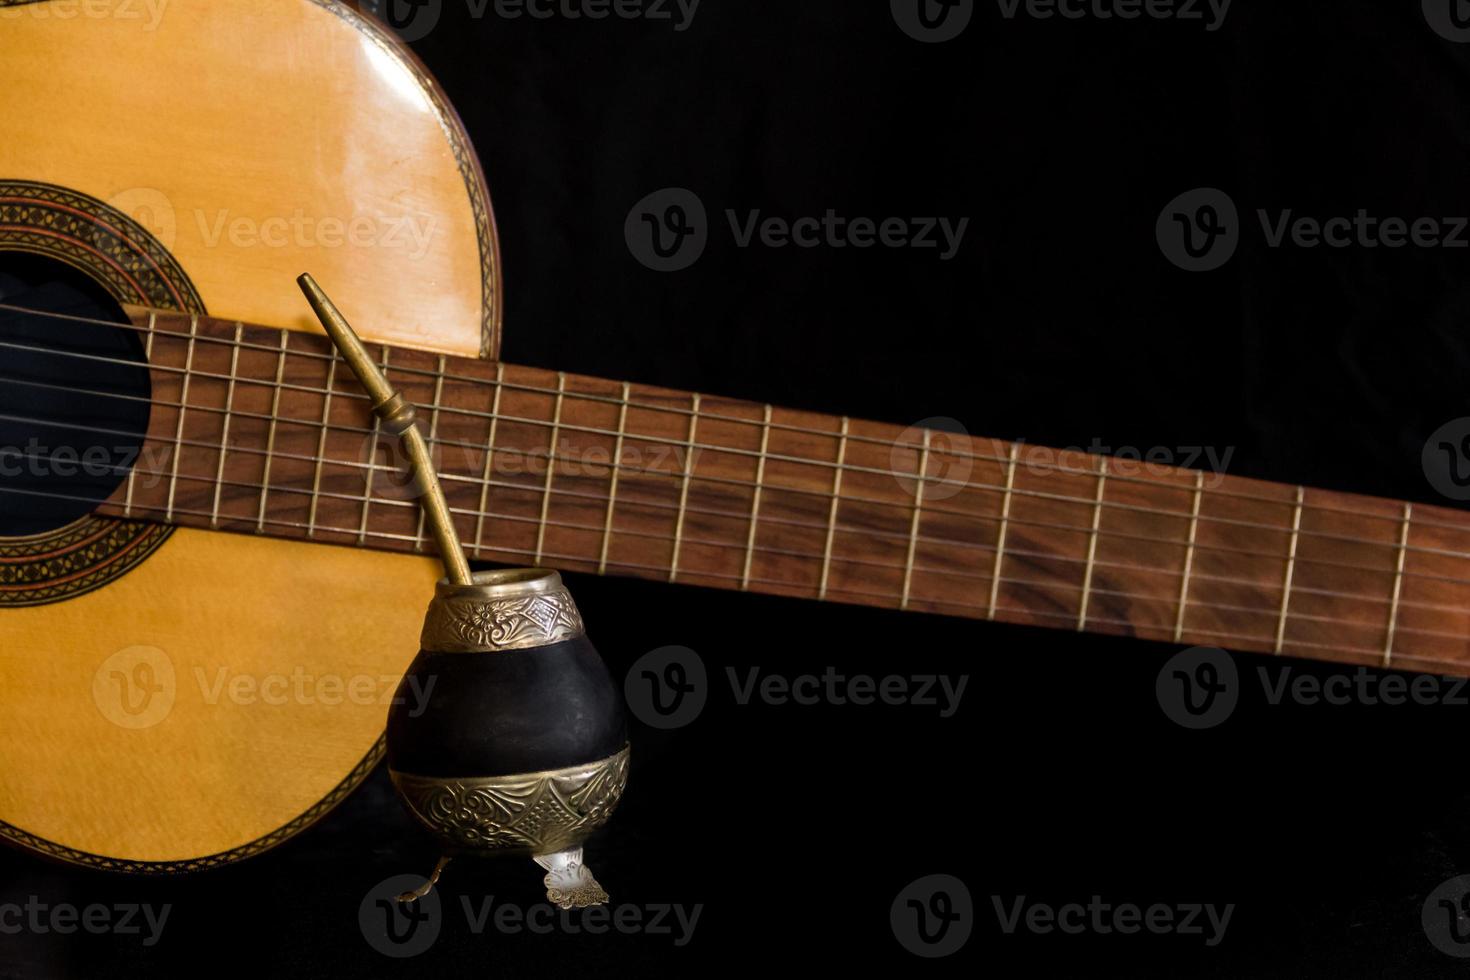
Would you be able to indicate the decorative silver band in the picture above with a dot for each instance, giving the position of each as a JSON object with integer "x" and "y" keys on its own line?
{"x": 528, "y": 813}
{"x": 502, "y": 610}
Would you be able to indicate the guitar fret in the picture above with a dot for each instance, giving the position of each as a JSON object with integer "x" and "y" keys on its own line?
{"x": 183, "y": 406}
{"x": 418, "y": 541}
{"x": 908, "y": 565}
{"x": 1398, "y": 584}
{"x": 1199, "y": 486}
{"x": 612, "y": 489}
{"x": 367, "y": 493}
{"x": 224, "y": 438}
{"x": 561, "y": 387}
{"x": 1005, "y": 519}
{"x": 755, "y": 500}
{"x": 1296, "y": 530}
{"x": 270, "y": 439}
{"x": 1102, "y": 480}
{"x": 489, "y": 460}
{"x": 147, "y": 357}
{"x": 684, "y": 488}
{"x": 321, "y": 447}
{"x": 832, "y": 514}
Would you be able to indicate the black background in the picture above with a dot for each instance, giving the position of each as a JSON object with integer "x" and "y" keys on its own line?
{"x": 1060, "y": 321}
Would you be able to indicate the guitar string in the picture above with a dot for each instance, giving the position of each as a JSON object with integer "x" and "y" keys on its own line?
{"x": 838, "y": 593}
{"x": 1272, "y": 609}
{"x": 914, "y": 477}
{"x": 1002, "y": 459}
{"x": 552, "y": 458}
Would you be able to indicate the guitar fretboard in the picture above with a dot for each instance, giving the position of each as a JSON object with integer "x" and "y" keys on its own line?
{"x": 266, "y": 432}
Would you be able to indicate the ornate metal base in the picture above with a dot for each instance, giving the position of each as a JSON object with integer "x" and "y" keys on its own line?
{"x": 569, "y": 882}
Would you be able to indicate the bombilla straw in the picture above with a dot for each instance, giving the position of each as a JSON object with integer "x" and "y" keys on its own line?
{"x": 397, "y": 417}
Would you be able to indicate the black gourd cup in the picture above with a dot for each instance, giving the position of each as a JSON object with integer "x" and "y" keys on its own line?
{"x": 507, "y": 734}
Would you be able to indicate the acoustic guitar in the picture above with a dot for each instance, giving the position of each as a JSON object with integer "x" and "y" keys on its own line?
{"x": 193, "y": 491}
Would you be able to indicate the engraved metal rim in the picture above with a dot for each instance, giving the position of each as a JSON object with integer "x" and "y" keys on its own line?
{"x": 502, "y": 583}
{"x": 477, "y": 819}
{"x": 511, "y": 609}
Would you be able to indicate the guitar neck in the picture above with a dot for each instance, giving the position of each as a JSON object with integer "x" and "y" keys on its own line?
{"x": 263, "y": 431}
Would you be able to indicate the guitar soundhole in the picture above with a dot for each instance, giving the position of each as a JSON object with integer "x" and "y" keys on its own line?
{"x": 74, "y": 395}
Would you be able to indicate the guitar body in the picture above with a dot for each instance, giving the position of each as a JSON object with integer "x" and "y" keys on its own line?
{"x": 185, "y": 698}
